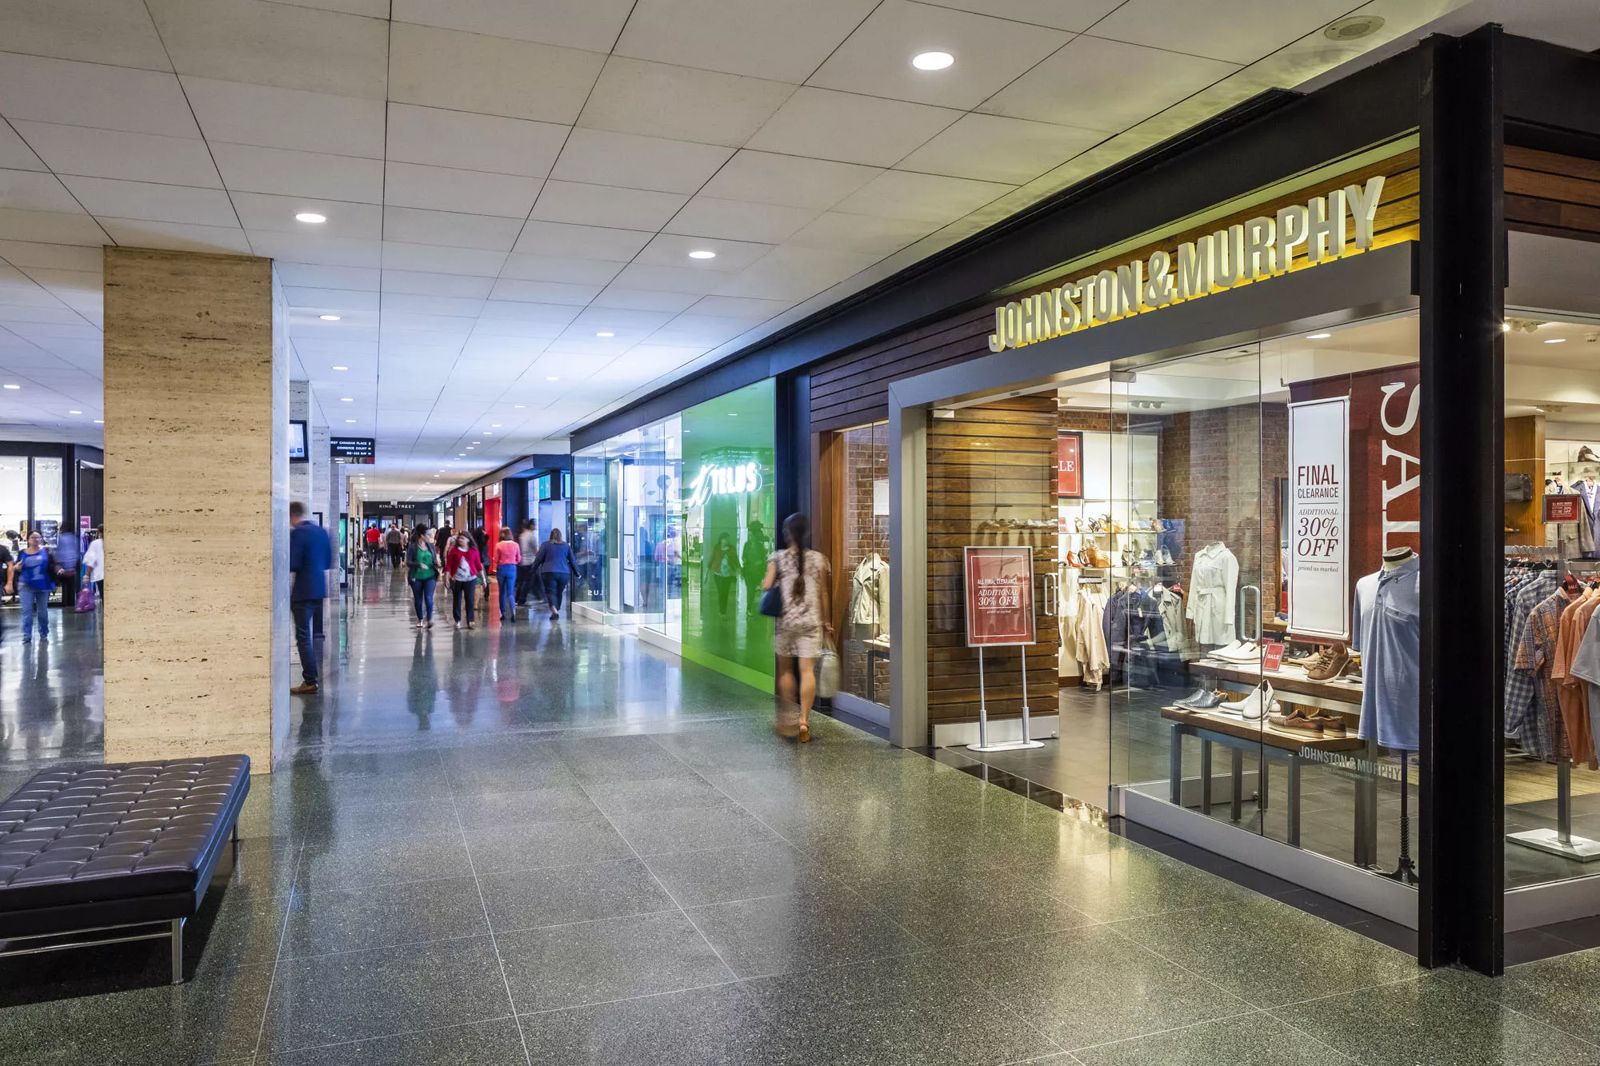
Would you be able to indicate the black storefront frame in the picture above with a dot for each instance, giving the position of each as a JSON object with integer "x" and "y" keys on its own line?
{"x": 1468, "y": 97}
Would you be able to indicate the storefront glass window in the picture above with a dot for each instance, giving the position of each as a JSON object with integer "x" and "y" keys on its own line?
{"x": 588, "y": 531}
{"x": 666, "y": 565}
{"x": 13, "y": 493}
{"x": 47, "y": 497}
{"x": 862, "y": 547}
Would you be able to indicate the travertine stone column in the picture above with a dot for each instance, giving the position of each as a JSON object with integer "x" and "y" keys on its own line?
{"x": 196, "y": 505}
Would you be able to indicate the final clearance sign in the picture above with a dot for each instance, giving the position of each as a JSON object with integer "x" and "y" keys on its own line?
{"x": 1263, "y": 247}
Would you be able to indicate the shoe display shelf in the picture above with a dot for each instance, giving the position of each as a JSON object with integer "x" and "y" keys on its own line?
{"x": 1293, "y": 748}
{"x": 1115, "y": 527}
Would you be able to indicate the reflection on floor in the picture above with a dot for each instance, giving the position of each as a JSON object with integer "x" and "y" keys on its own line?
{"x": 547, "y": 844}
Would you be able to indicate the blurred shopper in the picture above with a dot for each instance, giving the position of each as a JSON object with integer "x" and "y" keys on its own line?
{"x": 94, "y": 563}
{"x": 395, "y": 541}
{"x": 310, "y": 556}
{"x": 33, "y": 577}
{"x": 463, "y": 567}
{"x": 66, "y": 556}
{"x": 422, "y": 569}
{"x": 555, "y": 565}
{"x": 802, "y": 576}
{"x": 374, "y": 538}
{"x": 754, "y": 556}
{"x": 528, "y": 544}
{"x": 723, "y": 566}
{"x": 507, "y": 560}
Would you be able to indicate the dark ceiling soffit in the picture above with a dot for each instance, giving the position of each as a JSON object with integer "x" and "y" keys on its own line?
{"x": 1262, "y": 140}
{"x": 524, "y": 465}
{"x": 1552, "y": 96}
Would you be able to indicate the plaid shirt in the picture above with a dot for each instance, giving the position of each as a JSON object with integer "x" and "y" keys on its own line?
{"x": 1521, "y": 595}
{"x": 1535, "y": 652}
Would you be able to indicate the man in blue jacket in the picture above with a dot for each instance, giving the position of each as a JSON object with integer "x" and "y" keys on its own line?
{"x": 310, "y": 556}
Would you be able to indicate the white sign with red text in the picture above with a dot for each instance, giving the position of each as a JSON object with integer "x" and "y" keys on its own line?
{"x": 1319, "y": 518}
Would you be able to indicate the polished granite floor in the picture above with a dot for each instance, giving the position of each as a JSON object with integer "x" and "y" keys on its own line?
{"x": 548, "y": 844}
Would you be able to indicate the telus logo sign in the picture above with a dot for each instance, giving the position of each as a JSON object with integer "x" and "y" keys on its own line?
{"x": 724, "y": 480}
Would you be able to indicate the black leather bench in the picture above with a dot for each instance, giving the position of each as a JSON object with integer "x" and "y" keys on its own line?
{"x": 113, "y": 849}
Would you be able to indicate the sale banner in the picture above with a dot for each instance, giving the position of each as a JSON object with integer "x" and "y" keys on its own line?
{"x": 999, "y": 595}
{"x": 1319, "y": 576}
{"x": 1069, "y": 465}
{"x": 1562, "y": 508}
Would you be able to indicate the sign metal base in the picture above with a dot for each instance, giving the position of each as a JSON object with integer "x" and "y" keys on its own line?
{"x": 1007, "y": 745}
{"x": 1579, "y": 849}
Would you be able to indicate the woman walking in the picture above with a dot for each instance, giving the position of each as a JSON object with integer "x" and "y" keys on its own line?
{"x": 464, "y": 567}
{"x": 507, "y": 558}
{"x": 94, "y": 563}
{"x": 34, "y": 575}
{"x": 802, "y": 577}
{"x": 423, "y": 570}
{"x": 554, "y": 565}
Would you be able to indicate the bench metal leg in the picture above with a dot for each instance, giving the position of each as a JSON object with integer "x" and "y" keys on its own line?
{"x": 177, "y": 950}
{"x": 1294, "y": 801}
{"x": 1175, "y": 767}
{"x": 1236, "y": 771}
{"x": 1205, "y": 776}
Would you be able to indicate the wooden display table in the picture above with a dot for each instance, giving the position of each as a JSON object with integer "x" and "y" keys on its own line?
{"x": 1290, "y": 686}
{"x": 876, "y": 648}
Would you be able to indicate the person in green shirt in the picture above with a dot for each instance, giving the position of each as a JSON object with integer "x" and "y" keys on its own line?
{"x": 423, "y": 571}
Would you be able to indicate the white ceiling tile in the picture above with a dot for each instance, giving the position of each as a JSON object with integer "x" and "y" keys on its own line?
{"x": 116, "y": 154}
{"x": 620, "y": 296}
{"x": 247, "y": 168}
{"x": 312, "y": 275}
{"x": 559, "y": 268}
{"x": 475, "y": 142}
{"x": 680, "y": 103}
{"x": 779, "y": 39}
{"x": 1104, "y": 85}
{"x": 502, "y": 327}
{"x": 793, "y": 181}
{"x": 378, "y": 9}
{"x": 669, "y": 279}
{"x": 604, "y": 205}
{"x": 32, "y": 190}
{"x": 273, "y": 117}
{"x": 861, "y": 233}
{"x": 742, "y": 307}
{"x": 86, "y": 94}
{"x": 625, "y": 321}
{"x": 50, "y": 227}
{"x": 989, "y": 53}
{"x": 671, "y": 249}
{"x": 413, "y": 226}
{"x": 118, "y": 33}
{"x": 544, "y": 292}
{"x": 316, "y": 249}
{"x": 581, "y": 242}
{"x": 592, "y": 25}
{"x": 177, "y": 236}
{"x": 994, "y": 148}
{"x": 699, "y": 329}
{"x": 537, "y": 314}
{"x": 26, "y": 254}
{"x": 260, "y": 212}
{"x": 445, "y": 189}
{"x": 792, "y": 272}
{"x": 438, "y": 260}
{"x": 606, "y": 158}
{"x": 346, "y": 302}
{"x": 105, "y": 197}
{"x": 489, "y": 75}
{"x": 266, "y": 43}
{"x": 1250, "y": 30}
{"x": 460, "y": 306}
{"x": 739, "y": 220}
{"x": 14, "y": 153}
{"x": 1061, "y": 14}
{"x": 421, "y": 283}
{"x": 921, "y": 197}
{"x": 849, "y": 128}
{"x": 396, "y": 323}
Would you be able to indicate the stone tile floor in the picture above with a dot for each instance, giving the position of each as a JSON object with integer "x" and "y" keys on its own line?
{"x": 547, "y": 844}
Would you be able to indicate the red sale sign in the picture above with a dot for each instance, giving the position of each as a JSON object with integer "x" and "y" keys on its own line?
{"x": 1562, "y": 508}
{"x": 999, "y": 595}
{"x": 1069, "y": 465}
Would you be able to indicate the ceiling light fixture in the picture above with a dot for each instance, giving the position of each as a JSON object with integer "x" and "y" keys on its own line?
{"x": 604, "y": 333}
{"x": 341, "y": 368}
{"x": 702, "y": 253}
{"x": 74, "y": 412}
{"x": 312, "y": 217}
{"x": 518, "y": 406}
{"x": 347, "y": 399}
{"x": 733, "y": 414}
{"x": 350, "y": 421}
{"x": 1318, "y": 336}
{"x": 933, "y": 60}
{"x": 12, "y": 387}
{"x": 549, "y": 377}
{"x": 1555, "y": 340}
{"x": 99, "y": 421}
{"x": 329, "y": 318}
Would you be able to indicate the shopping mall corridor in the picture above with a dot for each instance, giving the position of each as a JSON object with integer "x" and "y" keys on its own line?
{"x": 543, "y": 843}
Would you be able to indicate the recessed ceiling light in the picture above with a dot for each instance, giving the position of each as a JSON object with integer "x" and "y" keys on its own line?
{"x": 733, "y": 414}
{"x": 347, "y": 399}
{"x": 9, "y": 385}
{"x": 350, "y": 421}
{"x": 1505, "y": 327}
{"x": 99, "y": 421}
{"x": 312, "y": 217}
{"x": 702, "y": 253}
{"x": 604, "y": 333}
{"x": 1318, "y": 336}
{"x": 74, "y": 412}
{"x": 496, "y": 425}
{"x": 932, "y": 60}
{"x": 341, "y": 368}
{"x": 461, "y": 455}
{"x": 475, "y": 442}
{"x": 329, "y": 318}
{"x": 518, "y": 406}
{"x": 1556, "y": 340}
{"x": 552, "y": 377}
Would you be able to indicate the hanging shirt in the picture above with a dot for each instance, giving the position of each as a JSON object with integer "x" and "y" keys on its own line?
{"x": 1092, "y": 655}
{"x": 869, "y": 594}
{"x": 1523, "y": 719}
{"x": 1213, "y": 585}
{"x": 1581, "y": 671}
{"x": 1535, "y": 656}
{"x": 1386, "y": 630}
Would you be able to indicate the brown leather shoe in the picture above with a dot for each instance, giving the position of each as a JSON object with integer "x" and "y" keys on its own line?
{"x": 1332, "y": 665}
{"x": 1295, "y": 721}
{"x": 309, "y": 688}
{"x": 1333, "y": 725}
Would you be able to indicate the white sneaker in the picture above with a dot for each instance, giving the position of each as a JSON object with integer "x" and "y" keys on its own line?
{"x": 1255, "y": 706}
{"x": 1241, "y": 651}
{"x": 1227, "y": 650}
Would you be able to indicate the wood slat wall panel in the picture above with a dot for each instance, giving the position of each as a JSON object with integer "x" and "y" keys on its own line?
{"x": 996, "y": 461}
{"x": 1556, "y": 195}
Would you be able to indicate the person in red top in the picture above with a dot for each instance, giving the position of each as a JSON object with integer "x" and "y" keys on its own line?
{"x": 374, "y": 539}
{"x": 507, "y": 557}
{"x": 463, "y": 568}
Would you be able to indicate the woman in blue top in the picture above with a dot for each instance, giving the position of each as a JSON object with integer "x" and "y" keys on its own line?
{"x": 554, "y": 565}
{"x": 34, "y": 575}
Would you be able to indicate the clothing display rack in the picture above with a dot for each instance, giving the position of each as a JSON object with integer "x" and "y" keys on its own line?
{"x": 1557, "y": 841}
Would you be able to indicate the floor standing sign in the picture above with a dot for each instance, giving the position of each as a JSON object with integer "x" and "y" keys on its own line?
{"x": 997, "y": 584}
